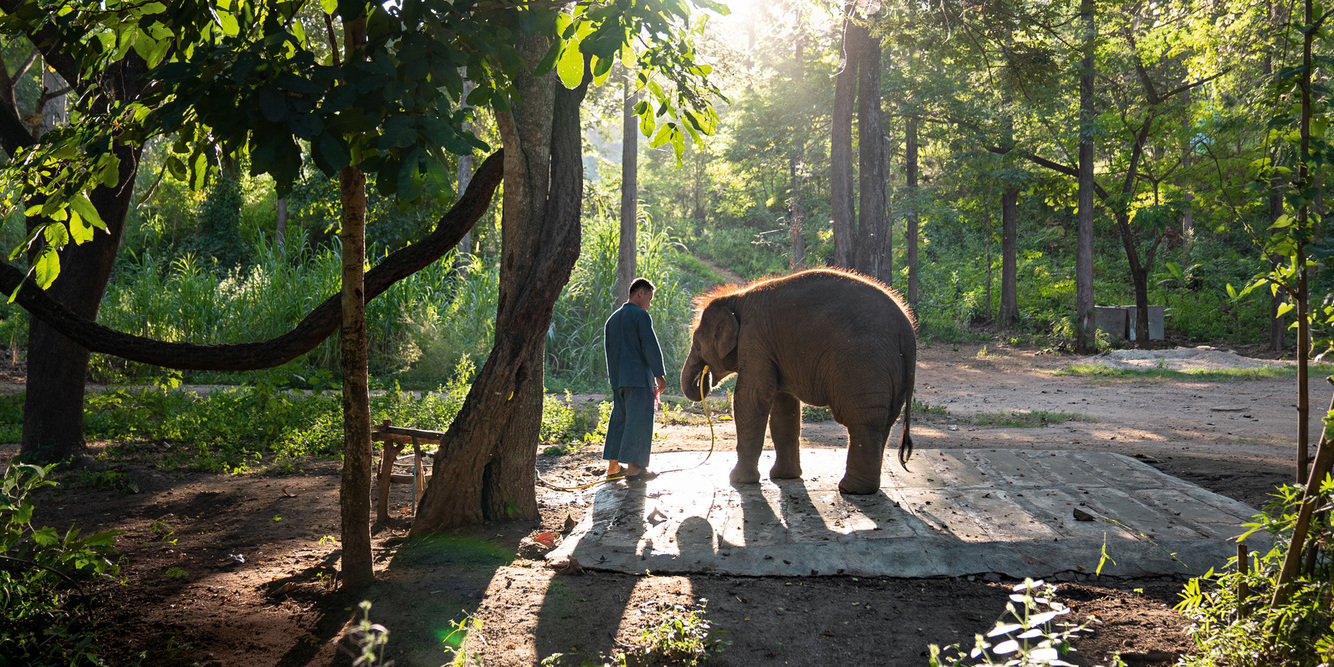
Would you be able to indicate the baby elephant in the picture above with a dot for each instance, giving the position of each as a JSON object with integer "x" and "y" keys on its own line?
{"x": 821, "y": 337}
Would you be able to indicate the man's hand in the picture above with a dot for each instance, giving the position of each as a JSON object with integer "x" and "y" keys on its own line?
{"x": 662, "y": 384}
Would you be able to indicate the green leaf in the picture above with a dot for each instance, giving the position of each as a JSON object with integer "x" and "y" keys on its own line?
{"x": 330, "y": 153}
{"x": 570, "y": 65}
{"x": 1284, "y": 308}
{"x": 46, "y": 536}
{"x": 1232, "y": 292}
{"x": 87, "y": 211}
{"x": 47, "y": 266}
{"x": 79, "y": 230}
{"x": 272, "y": 103}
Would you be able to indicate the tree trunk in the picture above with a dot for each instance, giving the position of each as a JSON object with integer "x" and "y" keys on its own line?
{"x": 485, "y": 466}
{"x": 57, "y": 366}
{"x": 355, "y": 492}
{"x": 1084, "y": 233}
{"x": 626, "y": 254}
{"x": 913, "y": 196}
{"x": 873, "y": 237}
{"x": 464, "y": 174}
{"x": 840, "y": 150}
{"x": 1009, "y": 309}
{"x": 794, "y": 215}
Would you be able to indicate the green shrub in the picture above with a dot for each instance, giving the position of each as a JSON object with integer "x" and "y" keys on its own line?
{"x": 44, "y": 607}
{"x": 1230, "y": 630}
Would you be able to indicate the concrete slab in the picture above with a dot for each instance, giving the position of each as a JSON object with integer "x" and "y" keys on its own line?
{"x": 958, "y": 512}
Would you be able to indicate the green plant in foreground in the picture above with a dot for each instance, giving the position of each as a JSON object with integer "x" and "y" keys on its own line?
{"x": 681, "y": 635}
{"x": 1233, "y": 622}
{"x": 1029, "y": 636}
{"x": 370, "y": 639}
{"x": 42, "y": 572}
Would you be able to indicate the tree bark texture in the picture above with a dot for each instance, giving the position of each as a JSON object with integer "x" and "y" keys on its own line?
{"x": 910, "y": 232}
{"x": 1009, "y": 308}
{"x": 355, "y": 490}
{"x": 626, "y": 254}
{"x": 319, "y": 324}
{"x": 484, "y": 469}
{"x": 873, "y": 242}
{"x": 1084, "y": 227}
{"x": 840, "y": 150}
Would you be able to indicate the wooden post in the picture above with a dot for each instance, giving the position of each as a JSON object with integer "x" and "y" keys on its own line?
{"x": 419, "y": 485}
{"x": 388, "y": 454}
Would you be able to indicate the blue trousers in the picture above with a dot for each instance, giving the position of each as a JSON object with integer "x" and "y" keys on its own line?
{"x": 630, "y": 430}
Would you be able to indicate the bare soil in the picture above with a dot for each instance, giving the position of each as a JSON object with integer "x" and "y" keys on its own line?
{"x": 187, "y": 599}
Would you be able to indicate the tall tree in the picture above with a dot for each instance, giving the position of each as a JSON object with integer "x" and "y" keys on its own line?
{"x": 874, "y": 250}
{"x": 1084, "y": 302}
{"x": 626, "y": 251}
{"x": 840, "y": 144}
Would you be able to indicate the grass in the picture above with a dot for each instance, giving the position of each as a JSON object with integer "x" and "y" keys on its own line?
{"x": 1168, "y": 375}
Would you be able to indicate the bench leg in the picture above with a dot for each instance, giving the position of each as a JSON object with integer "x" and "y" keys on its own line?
{"x": 388, "y": 455}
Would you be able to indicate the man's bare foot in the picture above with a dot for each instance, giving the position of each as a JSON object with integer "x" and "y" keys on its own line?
{"x": 614, "y": 468}
{"x": 631, "y": 470}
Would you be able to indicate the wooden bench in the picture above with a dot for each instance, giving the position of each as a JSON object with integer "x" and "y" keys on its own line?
{"x": 395, "y": 438}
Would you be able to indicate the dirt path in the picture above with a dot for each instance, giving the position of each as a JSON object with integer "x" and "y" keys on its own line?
{"x": 275, "y": 608}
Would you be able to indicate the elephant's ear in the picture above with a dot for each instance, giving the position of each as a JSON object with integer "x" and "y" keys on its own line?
{"x": 725, "y": 332}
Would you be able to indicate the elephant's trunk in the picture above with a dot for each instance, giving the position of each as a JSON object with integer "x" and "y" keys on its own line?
{"x": 690, "y": 379}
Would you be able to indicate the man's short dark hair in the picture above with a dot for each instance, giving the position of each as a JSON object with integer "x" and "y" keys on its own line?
{"x": 641, "y": 284}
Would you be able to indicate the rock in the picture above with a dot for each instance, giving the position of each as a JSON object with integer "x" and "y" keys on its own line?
{"x": 991, "y": 576}
{"x": 533, "y": 549}
{"x": 1081, "y": 515}
{"x": 566, "y": 566}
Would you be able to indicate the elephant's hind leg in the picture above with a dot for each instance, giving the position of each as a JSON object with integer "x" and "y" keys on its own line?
{"x": 866, "y": 449}
{"x": 785, "y": 429}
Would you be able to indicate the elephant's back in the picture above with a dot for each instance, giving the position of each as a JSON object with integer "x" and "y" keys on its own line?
{"x": 831, "y": 303}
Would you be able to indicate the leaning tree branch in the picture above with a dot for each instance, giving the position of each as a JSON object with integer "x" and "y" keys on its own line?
{"x": 314, "y": 328}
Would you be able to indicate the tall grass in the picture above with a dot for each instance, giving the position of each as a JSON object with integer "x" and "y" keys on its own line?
{"x": 418, "y": 330}
{"x": 575, "y": 352}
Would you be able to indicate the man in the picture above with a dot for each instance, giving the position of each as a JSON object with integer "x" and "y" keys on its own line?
{"x": 634, "y": 366}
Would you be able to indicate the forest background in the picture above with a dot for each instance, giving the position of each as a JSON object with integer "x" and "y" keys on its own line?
{"x": 968, "y": 127}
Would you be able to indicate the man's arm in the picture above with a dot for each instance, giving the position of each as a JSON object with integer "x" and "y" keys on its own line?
{"x": 648, "y": 343}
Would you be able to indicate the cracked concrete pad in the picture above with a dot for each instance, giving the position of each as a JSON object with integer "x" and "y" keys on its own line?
{"x": 1018, "y": 513}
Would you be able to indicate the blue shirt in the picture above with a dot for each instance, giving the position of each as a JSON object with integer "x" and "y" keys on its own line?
{"x": 633, "y": 356}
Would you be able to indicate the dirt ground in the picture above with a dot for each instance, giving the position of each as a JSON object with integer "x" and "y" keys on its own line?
{"x": 189, "y": 599}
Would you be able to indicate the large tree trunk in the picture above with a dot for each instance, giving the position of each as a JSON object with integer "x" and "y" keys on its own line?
{"x": 1084, "y": 230}
{"x": 840, "y": 149}
{"x": 1009, "y": 308}
{"x": 873, "y": 250}
{"x": 626, "y": 254}
{"x": 57, "y": 366}
{"x": 910, "y": 233}
{"x": 484, "y": 469}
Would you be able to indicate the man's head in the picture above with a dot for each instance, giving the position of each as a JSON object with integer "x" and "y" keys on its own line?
{"x": 641, "y": 293}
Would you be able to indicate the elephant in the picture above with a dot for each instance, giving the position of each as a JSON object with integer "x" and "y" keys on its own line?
{"x": 824, "y": 337}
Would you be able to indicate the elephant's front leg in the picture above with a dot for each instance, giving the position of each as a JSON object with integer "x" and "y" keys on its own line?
{"x": 751, "y": 410}
{"x": 785, "y": 429}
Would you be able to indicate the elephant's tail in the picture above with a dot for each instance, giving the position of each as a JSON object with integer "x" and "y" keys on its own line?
{"x": 905, "y": 442}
